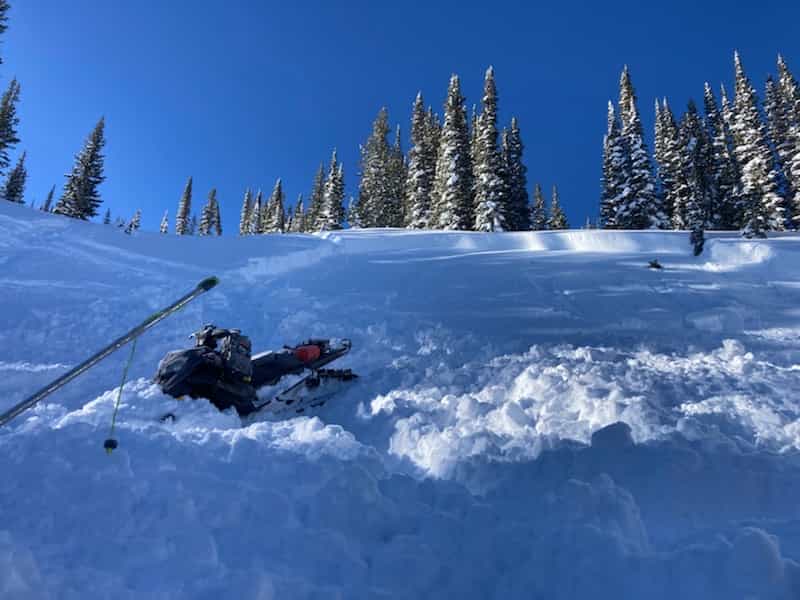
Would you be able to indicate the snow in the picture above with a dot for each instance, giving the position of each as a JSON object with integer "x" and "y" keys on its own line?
{"x": 538, "y": 415}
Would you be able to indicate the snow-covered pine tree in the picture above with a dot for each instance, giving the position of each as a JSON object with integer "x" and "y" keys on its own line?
{"x": 315, "y": 200}
{"x": 134, "y": 223}
{"x": 763, "y": 206}
{"x": 331, "y": 216}
{"x": 557, "y": 219}
{"x": 216, "y": 226}
{"x": 638, "y": 206}
{"x": 244, "y": 216}
{"x": 8, "y": 123}
{"x": 107, "y": 217}
{"x": 184, "y": 209}
{"x": 48, "y": 201}
{"x": 421, "y": 169}
{"x": 81, "y": 198}
{"x": 694, "y": 191}
{"x": 164, "y": 227}
{"x": 779, "y": 138}
{"x": 375, "y": 190}
{"x": 726, "y": 202}
{"x": 790, "y": 99}
{"x": 538, "y": 210}
{"x": 13, "y": 189}
{"x": 434, "y": 133}
{"x": 256, "y": 211}
{"x": 516, "y": 179}
{"x": 394, "y": 206}
{"x": 274, "y": 215}
{"x": 204, "y": 227}
{"x": 298, "y": 217}
{"x": 451, "y": 205}
{"x": 491, "y": 193}
{"x": 615, "y": 172}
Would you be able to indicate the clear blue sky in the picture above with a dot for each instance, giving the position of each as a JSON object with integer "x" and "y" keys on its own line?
{"x": 238, "y": 93}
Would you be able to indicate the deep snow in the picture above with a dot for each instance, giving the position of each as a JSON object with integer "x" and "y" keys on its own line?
{"x": 539, "y": 416}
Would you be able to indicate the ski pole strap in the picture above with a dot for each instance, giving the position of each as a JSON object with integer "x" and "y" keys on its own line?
{"x": 110, "y": 444}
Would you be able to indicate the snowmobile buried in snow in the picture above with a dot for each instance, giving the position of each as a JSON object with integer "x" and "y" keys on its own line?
{"x": 220, "y": 368}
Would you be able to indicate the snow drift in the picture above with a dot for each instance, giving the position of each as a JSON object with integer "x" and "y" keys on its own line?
{"x": 539, "y": 416}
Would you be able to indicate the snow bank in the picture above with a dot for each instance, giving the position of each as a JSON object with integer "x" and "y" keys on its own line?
{"x": 538, "y": 415}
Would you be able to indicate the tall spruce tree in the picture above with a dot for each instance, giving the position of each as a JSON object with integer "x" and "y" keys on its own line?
{"x": 107, "y": 217}
{"x": 81, "y": 197}
{"x": 394, "y": 208}
{"x": 8, "y": 123}
{"x": 789, "y": 93}
{"x": 207, "y": 214}
{"x": 316, "y": 199}
{"x": 298, "y": 217}
{"x": 13, "y": 189}
{"x": 216, "y": 226}
{"x": 726, "y": 202}
{"x": 538, "y": 210}
{"x": 421, "y": 169}
{"x": 516, "y": 179}
{"x": 244, "y": 216}
{"x": 274, "y": 215}
{"x": 491, "y": 194}
{"x": 615, "y": 172}
{"x": 184, "y": 209}
{"x": 377, "y": 203}
{"x": 763, "y": 206}
{"x": 254, "y": 227}
{"x": 332, "y": 216}
{"x": 694, "y": 192}
{"x": 434, "y": 132}
{"x": 164, "y": 227}
{"x": 134, "y": 223}
{"x": 638, "y": 207}
{"x": 557, "y": 219}
{"x": 48, "y": 202}
{"x": 452, "y": 206}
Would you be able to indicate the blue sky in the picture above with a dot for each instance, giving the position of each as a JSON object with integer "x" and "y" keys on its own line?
{"x": 238, "y": 93}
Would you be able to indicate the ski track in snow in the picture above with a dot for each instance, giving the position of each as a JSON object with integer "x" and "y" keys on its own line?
{"x": 538, "y": 416}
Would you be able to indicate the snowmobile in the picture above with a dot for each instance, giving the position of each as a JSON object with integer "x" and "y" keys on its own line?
{"x": 221, "y": 369}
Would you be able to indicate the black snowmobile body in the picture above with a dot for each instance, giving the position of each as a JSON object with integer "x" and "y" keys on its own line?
{"x": 229, "y": 376}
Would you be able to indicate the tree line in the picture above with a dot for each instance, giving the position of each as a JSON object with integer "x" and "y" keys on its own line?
{"x": 736, "y": 167}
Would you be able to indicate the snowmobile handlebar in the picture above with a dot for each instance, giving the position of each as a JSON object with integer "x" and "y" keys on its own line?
{"x": 201, "y": 288}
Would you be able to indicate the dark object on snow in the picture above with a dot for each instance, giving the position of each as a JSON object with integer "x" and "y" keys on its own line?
{"x": 654, "y": 264}
{"x": 149, "y": 322}
{"x": 221, "y": 369}
{"x": 697, "y": 240}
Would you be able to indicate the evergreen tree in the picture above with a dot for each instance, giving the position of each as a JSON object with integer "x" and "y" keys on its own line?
{"x": 13, "y": 189}
{"x": 48, "y": 202}
{"x": 316, "y": 199}
{"x": 763, "y": 207}
{"x": 298, "y": 217}
{"x": 331, "y": 217}
{"x": 557, "y": 220}
{"x": 217, "y": 219}
{"x": 434, "y": 133}
{"x": 164, "y": 228}
{"x": 452, "y": 206}
{"x": 692, "y": 190}
{"x": 377, "y": 203}
{"x": 789, "y": 152}
{"x": 8, "y": 122}
{"x": 81, "y": 198}
{"x": 206, "y": 217}
{"x": 274, "y": 214}
{"x": 184, "y": 209}
{"x": 726, "y": 201}
{"x": 135, "y": 222}
{"x": 4, "y": 6}
{"x": 516, "y": 179}
{"x": 615, "y": 172}
{"x": 638, "y": 207}
{"x": 491, "y": 194}
{"x": 244, "y": 218}
{"x": 421, "y": 169}
{"x": 538, "y": 210}
{"x": 255, "y": 216}
{"x": 394, "y": 208}
{"x": 107, "y": 217}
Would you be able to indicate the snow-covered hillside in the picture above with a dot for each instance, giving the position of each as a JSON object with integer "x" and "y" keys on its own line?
{"x": 538, "y": 416}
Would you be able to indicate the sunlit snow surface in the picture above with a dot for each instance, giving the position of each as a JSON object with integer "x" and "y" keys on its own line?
{"x": 480, "y": 454}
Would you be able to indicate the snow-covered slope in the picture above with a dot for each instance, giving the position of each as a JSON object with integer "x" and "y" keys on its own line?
{"x": 539, "y": 416}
